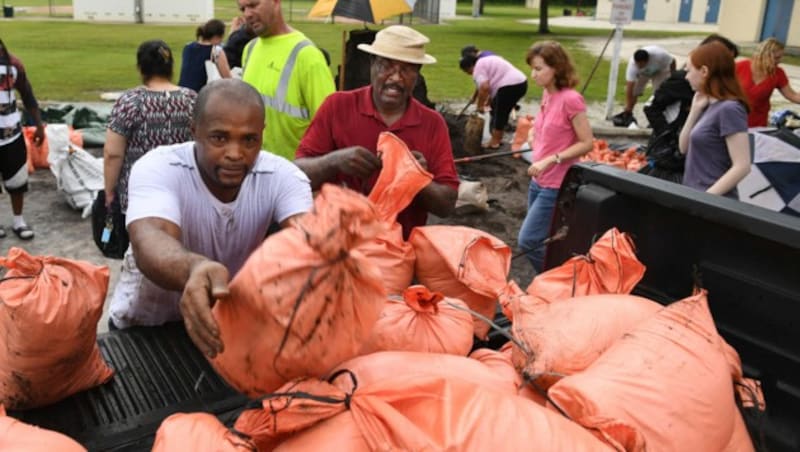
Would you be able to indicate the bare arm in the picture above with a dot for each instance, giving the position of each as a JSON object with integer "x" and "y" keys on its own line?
{"x": 438, "y": 199}
{"x": 354, "y": 161}
{"x": 113, "y": 154}
{"x": 630, "y": 99}
{"x": 223, "y": 66}
{"x": 739, "y": 151}
{"x": 584, "y": 143}
{"x": 699, "y": 104}
{"x": 790, "y": 94}
{"x": 162, "y": 259}
{"x": 483, "y": 96}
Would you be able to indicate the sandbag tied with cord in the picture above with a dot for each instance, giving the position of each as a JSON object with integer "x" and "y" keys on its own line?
{"x": 463, "y": 263}
{"x": 305, "y": 300}
{"x": 49, "y": 309}
{"x": 665, "y": 385}
{"x": 400, "y": 180}
{"x": 610, "y": 267}
{"x": 422, "y": 321}
{"x": 199, "y": 432}
{"x": 412, "y": 409}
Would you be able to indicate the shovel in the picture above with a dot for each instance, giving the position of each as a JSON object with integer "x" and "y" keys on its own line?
{"x": 464, "y": 109}
{"x": 486, "y": 156}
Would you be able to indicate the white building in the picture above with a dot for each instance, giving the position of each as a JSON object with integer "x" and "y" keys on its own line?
{"x": 144, "y": 11}
{"x": 668, "y": 11}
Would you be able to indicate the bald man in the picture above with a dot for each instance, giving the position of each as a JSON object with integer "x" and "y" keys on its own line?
{"x": 197, "y": 210}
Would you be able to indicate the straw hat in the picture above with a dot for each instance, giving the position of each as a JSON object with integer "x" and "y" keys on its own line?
{"x": 398, "y": 42}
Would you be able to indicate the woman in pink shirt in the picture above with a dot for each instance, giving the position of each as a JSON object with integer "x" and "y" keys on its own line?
{"x": 561, "y": 134}
{"x": 499, "y": 85}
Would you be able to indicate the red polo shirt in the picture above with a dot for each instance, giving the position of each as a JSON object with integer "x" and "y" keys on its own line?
{"x": 348, "y": 118}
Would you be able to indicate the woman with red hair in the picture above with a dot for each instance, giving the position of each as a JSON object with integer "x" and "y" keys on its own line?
{"x": 714, "y": 137}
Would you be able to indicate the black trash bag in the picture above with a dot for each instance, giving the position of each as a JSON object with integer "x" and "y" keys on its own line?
{"x": 664, "y": 157}
{"x": 116, "y": 242}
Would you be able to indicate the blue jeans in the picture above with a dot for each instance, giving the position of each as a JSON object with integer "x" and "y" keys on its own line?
{"x": 536, "y": 226}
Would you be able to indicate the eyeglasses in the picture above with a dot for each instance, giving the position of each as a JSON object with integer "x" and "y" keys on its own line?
{"x": 386, "y": 66}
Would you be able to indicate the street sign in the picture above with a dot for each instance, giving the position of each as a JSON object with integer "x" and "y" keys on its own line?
{"x": 621, "y": 12}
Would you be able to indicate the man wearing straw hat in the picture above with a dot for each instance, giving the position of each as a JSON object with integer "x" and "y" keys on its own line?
{"x": 340, "y": 144}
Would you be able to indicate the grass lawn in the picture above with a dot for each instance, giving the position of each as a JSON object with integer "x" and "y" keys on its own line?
{"x": 68, "y": 60}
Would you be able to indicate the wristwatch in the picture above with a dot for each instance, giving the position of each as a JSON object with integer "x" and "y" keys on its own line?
{"x": 558, "y": 158}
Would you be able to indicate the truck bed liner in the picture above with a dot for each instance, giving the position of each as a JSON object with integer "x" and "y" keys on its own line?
{"x": 159, "y": 372}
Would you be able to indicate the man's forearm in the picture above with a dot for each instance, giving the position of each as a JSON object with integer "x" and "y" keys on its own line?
{"x": 438, "y": 199}
{"x": 319, "y": 169}
{"x": 160, "y": 256}
{"x": 630, "y": 99}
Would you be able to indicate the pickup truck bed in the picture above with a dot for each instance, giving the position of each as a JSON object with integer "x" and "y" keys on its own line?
{"x": 747, "y": 257}
{"x": 159, "y": 371}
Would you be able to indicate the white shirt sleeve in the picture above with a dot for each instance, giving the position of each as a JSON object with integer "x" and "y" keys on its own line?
{"x": 293, "y": 192}
{"x": 152, "y": 189}
{"x": 632, "y": 72}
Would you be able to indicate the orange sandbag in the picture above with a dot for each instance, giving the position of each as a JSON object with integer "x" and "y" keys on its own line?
{"x": 381, "y": 366}
{"x": 422, "y": 321}
{"x": 18, "y": 436}
{"x": 749, "y": 397}
{"x": 463, "y": 263}
{"x": 610, "y": 266}
{"x": 37, "y": 155}
{"x": 49, "y": 309}
{"x": 525, "y": 387}
{"x": 198, "y": 432}
{"x": 507, "y": 296}
{"x": 399, "y": 181}
{"x": 375, "y": 368}
{"x": 565, "y": 338}
{"x": 663, "y": 386}
{"x": 521, "y": 134}
{"x": 499, "y": 363}
{"x": 417, "y": 412}
{"x": 305, "y": 300}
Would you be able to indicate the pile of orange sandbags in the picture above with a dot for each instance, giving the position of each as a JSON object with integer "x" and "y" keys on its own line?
{"x": 463, "y": 263}
{"x": 199, "y": 432}
{"x": 630, "y": 159}
{"x": 17, "y": 436}
{"x": 422, "y": 321}
{"x": 566, "y": 337}
{"x": 305, "y": 300}
{"x": 399, "y": 181}
{"x": 610, "y": 266}
{"x": 396, "y": 405}
{"x": 49, "y": 311}
{"x": 662, "y": 386}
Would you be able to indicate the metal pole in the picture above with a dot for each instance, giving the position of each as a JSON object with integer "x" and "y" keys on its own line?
{"x": 476, "y": 8}
{"x": 612, "y": 77}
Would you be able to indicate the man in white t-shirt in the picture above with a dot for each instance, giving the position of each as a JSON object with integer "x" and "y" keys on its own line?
{"x": 650, "y": 63}
{"x": 197, "y": 210}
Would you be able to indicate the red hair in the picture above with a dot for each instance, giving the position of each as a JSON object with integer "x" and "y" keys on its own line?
{"x": 721, "y": 82}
